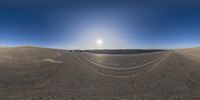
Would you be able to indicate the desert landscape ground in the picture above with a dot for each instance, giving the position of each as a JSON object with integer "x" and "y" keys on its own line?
{"x": 28, "y": 73}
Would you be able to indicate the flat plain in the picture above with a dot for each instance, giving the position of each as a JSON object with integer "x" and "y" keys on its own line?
{"x": 50, "y": 74}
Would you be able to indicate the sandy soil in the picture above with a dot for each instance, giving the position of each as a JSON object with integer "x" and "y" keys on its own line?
{"x": 49, "y": 74}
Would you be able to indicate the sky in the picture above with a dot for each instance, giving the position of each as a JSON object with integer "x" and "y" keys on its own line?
{"x": 118, "y": 24}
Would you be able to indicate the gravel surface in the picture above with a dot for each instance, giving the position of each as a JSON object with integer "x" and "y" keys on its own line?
{"x": 50, "y": 74}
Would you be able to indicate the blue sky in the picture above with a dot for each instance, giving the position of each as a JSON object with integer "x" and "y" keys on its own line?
{"x": 120, "y": 24}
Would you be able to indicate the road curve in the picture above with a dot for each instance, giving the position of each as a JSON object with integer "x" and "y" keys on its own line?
{"x": 154, "y": 60}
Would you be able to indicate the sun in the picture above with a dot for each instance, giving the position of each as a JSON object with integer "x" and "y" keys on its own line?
{"x": 99, "y": 41}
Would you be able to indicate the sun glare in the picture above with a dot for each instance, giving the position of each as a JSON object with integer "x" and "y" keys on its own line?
{"x": 99, "y": 41}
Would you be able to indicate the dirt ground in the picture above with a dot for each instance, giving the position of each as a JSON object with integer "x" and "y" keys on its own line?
{"x": 50, "y": 74}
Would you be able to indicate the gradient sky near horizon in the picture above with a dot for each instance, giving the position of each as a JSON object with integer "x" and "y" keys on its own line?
{"x": 120, "y": 24}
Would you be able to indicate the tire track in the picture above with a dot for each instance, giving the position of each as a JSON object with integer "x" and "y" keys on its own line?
{"x": 112, "y": 68}
{"x": 182, "y": 66}
{"x": 109, "y": 75}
